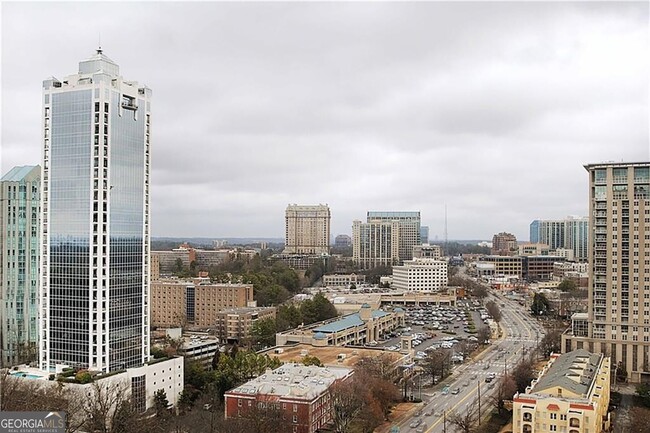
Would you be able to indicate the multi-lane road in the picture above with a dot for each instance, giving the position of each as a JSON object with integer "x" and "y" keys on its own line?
{"x": 520, "y": 333}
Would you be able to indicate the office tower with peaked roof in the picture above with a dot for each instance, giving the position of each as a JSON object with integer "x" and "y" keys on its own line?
{"x": 94, "y": 300}
{"x": 307, "y": 229}
{"x": 19, "y": 258}
{"x": 618, "y": 319}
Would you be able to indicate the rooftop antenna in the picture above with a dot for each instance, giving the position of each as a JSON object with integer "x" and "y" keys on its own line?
{"x": 99, "y": 49}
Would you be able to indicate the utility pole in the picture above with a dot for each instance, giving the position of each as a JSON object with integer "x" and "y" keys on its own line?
{"x": 479, "y": 401}
{"x": 444, "y": 422}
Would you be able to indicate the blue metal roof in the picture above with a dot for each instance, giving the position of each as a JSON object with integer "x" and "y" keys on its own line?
{"x": 346, "y": 322}
{"x": 17, "y": 173}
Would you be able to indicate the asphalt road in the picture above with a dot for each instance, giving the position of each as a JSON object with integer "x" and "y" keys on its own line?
{"x": 521, "y": 333}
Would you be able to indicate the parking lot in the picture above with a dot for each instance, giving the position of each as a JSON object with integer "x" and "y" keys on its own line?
{"x": 434, "y": 327}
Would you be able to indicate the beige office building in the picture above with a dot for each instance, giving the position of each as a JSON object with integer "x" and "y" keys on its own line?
{"x": 307, "y": 229}
{"x": 234, "y": 324}
{"x": 427, "y": 251}
{"x": 618, "y": 319}
{"x": 195, "y": 303}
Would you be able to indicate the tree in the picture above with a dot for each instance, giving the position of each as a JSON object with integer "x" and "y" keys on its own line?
{"x": 312, "y": 360}
{"x": 484, "y": 334}
{"x": 523, "y": 374}
{"x": 263, "y": 332}
{"x": 638, "y": 417}
{"x": 540, "y": 305}
{"x": 161, "y": 404}
{"x": 643, "y": 391}
{"x": 437, "y": 364}
{"x": 262, "y": 417}
{"x": 493, "y": 310}
{"x": 567, "y": 285}
{"x": 506, "y": 388}
{"x": 287, "y": 317}
{"x": 551, "y": 343}
{"x": 465, "y": 421}
{"x": 346, "y": 405}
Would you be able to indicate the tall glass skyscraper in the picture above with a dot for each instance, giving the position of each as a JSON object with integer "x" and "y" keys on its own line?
{"x": 19, "y": 222}
{"x": 94, "y": 310}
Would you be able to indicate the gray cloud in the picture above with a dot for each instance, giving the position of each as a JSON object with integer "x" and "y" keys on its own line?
{"x": 489, "y": 108}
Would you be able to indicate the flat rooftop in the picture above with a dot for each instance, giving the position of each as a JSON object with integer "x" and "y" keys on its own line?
{"x": 294, "y": 381}
{"x": 328, "y": 355}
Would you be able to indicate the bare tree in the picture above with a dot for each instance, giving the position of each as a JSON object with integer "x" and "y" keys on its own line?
{"x": 437, "y": 364}
{"x": 346, "y": 405}
{"x": 263, "y": 417}
{"x": 506, "y": 388}
{"x": 105, "y": 406}
{"x": 484, "y": 334}
{"x": 18, "y": 394}
{"x": 551, "y": 342}
{"x": 523, "y": 374}
{"x": 493, "y": 310}
{"x": 465, "y": 421}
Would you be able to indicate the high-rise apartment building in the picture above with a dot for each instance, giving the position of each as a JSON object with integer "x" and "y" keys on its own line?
{"x": 375, "y": 243}
{"x": 409, "y": 230}
{"x": 577, "y": 237}
{"x": 307, "y": 229}
{"x": 618, "y": 319}
{"x": 95, "y": 219}
{"x": 570, "y": 233}
{"x": 504, "y": 244}
{"x": 19, "y": 259}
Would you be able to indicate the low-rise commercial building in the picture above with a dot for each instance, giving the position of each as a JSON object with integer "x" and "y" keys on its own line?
{"x": 507, "y": 266}
{"x": 233, "y": 325}
{"x": 354, "y": 329}
{"x": 570, "y": 395}
{"x": 343, "y": 280}
{"x": 299, "y": 392}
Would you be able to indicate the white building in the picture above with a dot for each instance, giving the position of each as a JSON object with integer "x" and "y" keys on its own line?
{"x": 307, "y": 229}
{"x": 420, "y": 275}
{"x": 139, "y": 383}
{"x": 94, "y": 310}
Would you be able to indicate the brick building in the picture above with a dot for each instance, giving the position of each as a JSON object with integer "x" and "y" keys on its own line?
{"x": 177, "y": 303}
{"x": 299, "y": 392}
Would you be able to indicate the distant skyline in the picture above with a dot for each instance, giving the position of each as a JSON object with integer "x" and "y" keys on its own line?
{"x": 489, "y": 108}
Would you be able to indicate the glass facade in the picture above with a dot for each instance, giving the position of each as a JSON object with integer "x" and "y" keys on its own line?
{"x": 68, "y": 226}
{"x": 95, "y": 221}
{"x": 19, "y": 264}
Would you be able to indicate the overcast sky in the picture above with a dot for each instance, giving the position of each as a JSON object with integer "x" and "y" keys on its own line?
{"x": 489, "y": 108}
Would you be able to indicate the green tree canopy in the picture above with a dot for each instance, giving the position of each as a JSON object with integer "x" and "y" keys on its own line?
{"x": 540, "y": 305}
